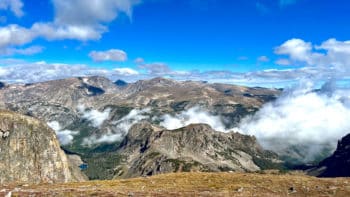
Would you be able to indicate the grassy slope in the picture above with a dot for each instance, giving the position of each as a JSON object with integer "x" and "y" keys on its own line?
{"x": 195, "y": 184}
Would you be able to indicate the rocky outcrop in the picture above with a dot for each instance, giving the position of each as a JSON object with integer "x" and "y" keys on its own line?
{"x": 338, "y": 164}
{"x": 151, "y": 150}
{"x": 30, "y": 151}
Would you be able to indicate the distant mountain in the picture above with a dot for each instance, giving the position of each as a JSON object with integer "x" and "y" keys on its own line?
{"x": 150, "y": 150}
{"x": 338, "y": 164}
{"x": 120, "y": 83}
{"x": 30, "y": 152}
{"x": 58, "y": 100}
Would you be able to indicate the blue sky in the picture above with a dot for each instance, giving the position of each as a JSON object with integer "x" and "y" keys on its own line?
{"x": 251, "y": 42}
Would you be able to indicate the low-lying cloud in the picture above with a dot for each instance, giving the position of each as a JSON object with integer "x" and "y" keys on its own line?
{"x": 120, "y": 128}
{"x": 194, "y": 115}
{"x": 302, "y": 117}
{"x": 65, "y": 136}
{"x": 94, "y": 116}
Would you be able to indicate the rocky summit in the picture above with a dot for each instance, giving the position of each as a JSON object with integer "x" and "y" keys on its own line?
{"x": 30, "y": 152}
{"x": 150, "y": 150}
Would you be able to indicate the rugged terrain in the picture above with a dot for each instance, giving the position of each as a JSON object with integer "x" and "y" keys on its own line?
{"x": 58, "y": 100}
{"x": 149, "y": 150}
{"x": 69, "y": 102}
{"x": 30, "y": 152}
{"x": 193, "y": 184}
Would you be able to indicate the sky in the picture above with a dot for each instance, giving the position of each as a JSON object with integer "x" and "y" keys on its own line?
{"x": 270, "y": 43}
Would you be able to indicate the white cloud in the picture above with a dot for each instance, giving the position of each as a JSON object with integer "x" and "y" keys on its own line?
{"x": 301, "y": 117}
{"x": 78, "y": 12}
{"x": 14, "y": 35}
{"x": 126, "y": 71}
{"x": 110, "y": 55}
{"x": 74, "y": 19}
{"x": 52, "y": 31}
{"x": 331, "y": 54}
{"x": 3, "y": 72}
{"x": 119, "y": 128}
{"x": 193, "y": 115}
{"x": 14, "y": 5}
{"x": 296, "y": 49}
{"x": 64, "y": 136}
{"x": 96, "y": 117}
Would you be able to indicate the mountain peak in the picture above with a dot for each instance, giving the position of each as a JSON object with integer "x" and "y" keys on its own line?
{"x": 120, "y": 83}
{"x": 152, "y": 150}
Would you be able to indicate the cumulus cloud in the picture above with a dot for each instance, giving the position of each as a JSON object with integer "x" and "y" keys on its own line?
{"x": 193, "y": 115}
{"x": 119, "y": 128}
{"x": 96, "y": 117}
{"x": 74, "y": 19}
{"x": 15, "y": 6}
{"x": 331, "y": 53}
{"x": 53, "y": 31}
{"x": 73, "y": 12}
{"x": 14, "y": 35}
{"x": 64, "y": 136}
{"x": 110, "y": 55}
{"x": 126, "y": 71}
{"x": 298, "y": 50}
{"x": 302, "y": 117}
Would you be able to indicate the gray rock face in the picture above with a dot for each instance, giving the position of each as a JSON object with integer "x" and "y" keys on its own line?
{"x": 151, "y": 150}
{"x": 30, "y": 152}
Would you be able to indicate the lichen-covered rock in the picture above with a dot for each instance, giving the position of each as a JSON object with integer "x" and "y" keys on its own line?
{"x": 30, "y": 151}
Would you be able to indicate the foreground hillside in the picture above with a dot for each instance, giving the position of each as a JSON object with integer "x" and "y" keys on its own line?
{"x": 194, "y": 184}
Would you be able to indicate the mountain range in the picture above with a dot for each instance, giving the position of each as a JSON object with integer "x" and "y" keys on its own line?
{"x": 114, "y": 130}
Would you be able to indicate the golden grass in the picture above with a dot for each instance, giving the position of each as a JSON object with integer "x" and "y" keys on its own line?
{"x": 195, "y": 184}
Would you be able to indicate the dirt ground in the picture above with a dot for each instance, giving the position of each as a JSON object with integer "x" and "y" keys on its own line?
{"x": 192, "y": 184}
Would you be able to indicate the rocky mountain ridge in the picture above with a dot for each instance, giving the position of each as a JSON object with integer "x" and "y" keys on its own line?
{"x": 150, "y": 150}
